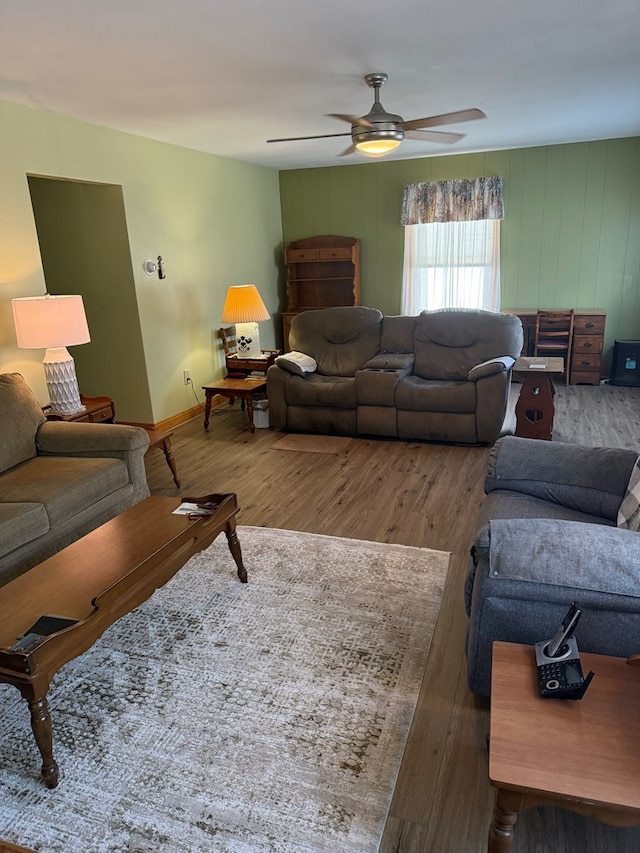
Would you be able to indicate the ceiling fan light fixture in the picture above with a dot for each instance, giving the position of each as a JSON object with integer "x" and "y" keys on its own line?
{"x": 378, "y": 141}
{"x": 377, "y": 147}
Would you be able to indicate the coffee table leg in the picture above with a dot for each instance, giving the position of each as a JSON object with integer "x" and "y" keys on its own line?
{"x": 505, "y": 815}
{"x": 234, "y": 547}
{"x": 42, "y": 731}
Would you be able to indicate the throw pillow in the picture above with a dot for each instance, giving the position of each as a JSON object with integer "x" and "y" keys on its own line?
{"x": 297, "y": 363}
{"x": 629, "y": 512}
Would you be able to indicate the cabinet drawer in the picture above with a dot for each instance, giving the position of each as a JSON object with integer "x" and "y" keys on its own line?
{"x": 334, "y": 254}
{"x": 585, "y": 361}
{"x": 584, "y": 377}
{"x": 294, "y": 255}
{"x": 588, "y": 324}
{"x": 587, "y": 343}
{"x": 101, "y": 415}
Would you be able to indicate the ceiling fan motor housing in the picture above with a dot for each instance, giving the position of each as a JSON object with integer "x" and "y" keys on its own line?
{"x": 382, "y": 126}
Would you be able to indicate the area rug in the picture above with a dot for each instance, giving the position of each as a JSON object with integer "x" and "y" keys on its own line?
{"x": 220, "y": 716}
{"x": 313, "y": 443}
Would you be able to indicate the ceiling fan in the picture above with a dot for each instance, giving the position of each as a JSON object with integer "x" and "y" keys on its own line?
{"x": 379, "y": 132}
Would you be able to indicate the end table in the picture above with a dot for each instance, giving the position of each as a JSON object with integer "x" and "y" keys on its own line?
{"x": 535, "y": 409}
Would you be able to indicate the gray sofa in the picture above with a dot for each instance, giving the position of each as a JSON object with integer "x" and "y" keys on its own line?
{"x": 439, "y": 376}
{"x": 59, "y": 480}
{"x": 547, "y": 536}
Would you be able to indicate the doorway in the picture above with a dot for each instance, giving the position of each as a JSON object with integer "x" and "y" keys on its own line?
{"x": 84, "y": 246}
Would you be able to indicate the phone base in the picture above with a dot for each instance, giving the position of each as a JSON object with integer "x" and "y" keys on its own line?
{"x": 569, "y": 649}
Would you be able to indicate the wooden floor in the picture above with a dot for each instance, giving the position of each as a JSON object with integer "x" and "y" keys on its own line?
{"x": 414, "y": 494}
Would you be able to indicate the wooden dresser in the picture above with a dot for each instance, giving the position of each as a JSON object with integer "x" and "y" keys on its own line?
{"x": 588, "y": 341}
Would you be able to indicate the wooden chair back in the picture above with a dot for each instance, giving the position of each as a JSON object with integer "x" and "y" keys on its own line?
{"x": 554, "y": 336}
{"x": 229, "y": 340}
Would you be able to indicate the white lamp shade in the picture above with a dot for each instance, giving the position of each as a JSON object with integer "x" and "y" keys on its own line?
{"x": 50, "y": 321}
{"x": 244, "y": 305}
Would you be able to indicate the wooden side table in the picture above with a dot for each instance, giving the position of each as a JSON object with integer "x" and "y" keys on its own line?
{"x": 245, "y": 389}
{"x": 579, "y": 755}
{"x": 97, "y": 410}
{"x": 535, "y": 409}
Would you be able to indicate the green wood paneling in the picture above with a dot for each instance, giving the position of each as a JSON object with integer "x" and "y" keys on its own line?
{"x": 570, "y": 238}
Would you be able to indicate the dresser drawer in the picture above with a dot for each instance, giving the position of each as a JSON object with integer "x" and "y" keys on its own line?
{"x": 584, "y": 377}
{"x": 588, "y": 324}
{"x": 587, "y": 343}
{"x": 585, "y": 361}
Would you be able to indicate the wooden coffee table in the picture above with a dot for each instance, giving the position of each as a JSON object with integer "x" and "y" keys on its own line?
{"x": 578, "y": 755}
{"x": 245, "y": 389}
{"x": 96, "y": 580}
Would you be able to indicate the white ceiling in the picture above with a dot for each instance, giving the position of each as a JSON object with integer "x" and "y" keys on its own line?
{"x": 223, "y": 76}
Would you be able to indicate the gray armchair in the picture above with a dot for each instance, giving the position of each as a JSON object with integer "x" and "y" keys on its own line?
{"x": 547, "y": 536}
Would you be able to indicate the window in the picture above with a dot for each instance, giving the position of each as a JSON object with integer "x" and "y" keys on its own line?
{"x": 452, "y": 244}
{"x": 451, "y": 265}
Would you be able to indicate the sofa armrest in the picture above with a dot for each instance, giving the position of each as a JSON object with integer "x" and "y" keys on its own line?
{"x": 59, "y": 438}
{"x": 493, "y": 365}
{"x": 590, "y": 557}
{"x": 589, "y": 479}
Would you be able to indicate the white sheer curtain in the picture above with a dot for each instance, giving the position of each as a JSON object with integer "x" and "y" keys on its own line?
{"x": 451, "y": 265}
{"x": 452, "y": 244}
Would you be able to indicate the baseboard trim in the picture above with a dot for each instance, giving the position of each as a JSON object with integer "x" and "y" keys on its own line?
{"x": 180, "y": 417}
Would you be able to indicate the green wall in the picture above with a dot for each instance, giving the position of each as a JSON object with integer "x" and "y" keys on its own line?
{"x": 215, "y": 221}
{"x": 570, "y": 238}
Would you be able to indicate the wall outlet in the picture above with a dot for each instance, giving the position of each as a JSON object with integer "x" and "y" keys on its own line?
{"x": 186, "y": 374}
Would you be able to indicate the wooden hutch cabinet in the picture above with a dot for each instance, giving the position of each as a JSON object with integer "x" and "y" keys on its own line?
{"x": 588, "y": 341}
{"x": 321, "y": 272}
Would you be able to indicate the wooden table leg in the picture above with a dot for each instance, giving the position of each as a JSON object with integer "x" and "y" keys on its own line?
{"x": 42, "y": 731}
{"x": 252, "y": 426}
{"x": 505, "y": 815}
{"x": 207, "y": 407}
{"x": 171, "y": 462}
{"x": 234, "y": 547}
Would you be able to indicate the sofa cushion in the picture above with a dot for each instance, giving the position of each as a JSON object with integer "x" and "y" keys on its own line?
{"x": 334, "y": 392}
{"x": 448, "y": 343}
{"x": 63, "y": 485}
{"x": 424, "y": 395}
{"x": 20, "y": 417}
{"x": 341, "y": 339}
{"x": 397, "y": 334}
{"x": 21, "y": 523}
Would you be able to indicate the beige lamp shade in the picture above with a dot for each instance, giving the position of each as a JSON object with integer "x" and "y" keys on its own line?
{"x": 50, "y": 321}
{"x": 53, "y": 323}
{"x": 244, "y": 305}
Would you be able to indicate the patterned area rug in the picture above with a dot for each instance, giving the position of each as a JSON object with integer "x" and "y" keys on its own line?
{"x": 220, "y": 716}
{"x": 313, "y": 443}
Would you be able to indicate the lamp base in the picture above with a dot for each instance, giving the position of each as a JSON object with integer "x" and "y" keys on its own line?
{"x": 248, "y": 340}
{"x": 62, "y": 384}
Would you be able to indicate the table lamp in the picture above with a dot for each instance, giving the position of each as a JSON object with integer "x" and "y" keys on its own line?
{"x": 245, "y": 309}
{"x": 54, "y": 323}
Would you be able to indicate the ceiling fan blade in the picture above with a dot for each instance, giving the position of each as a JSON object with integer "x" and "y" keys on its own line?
{"x": 350, "y": 150}
{"x": 300, "y": 138}
{"x": 445, "y": 118}
{"x": 434, "y": 136}
{"x": 359, "y": 120}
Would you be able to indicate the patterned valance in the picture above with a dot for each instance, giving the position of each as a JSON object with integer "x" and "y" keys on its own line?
{"x": 452, "y": 201}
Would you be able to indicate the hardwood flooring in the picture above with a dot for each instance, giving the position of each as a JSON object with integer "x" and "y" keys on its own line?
{"x": 414, "y": 494}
